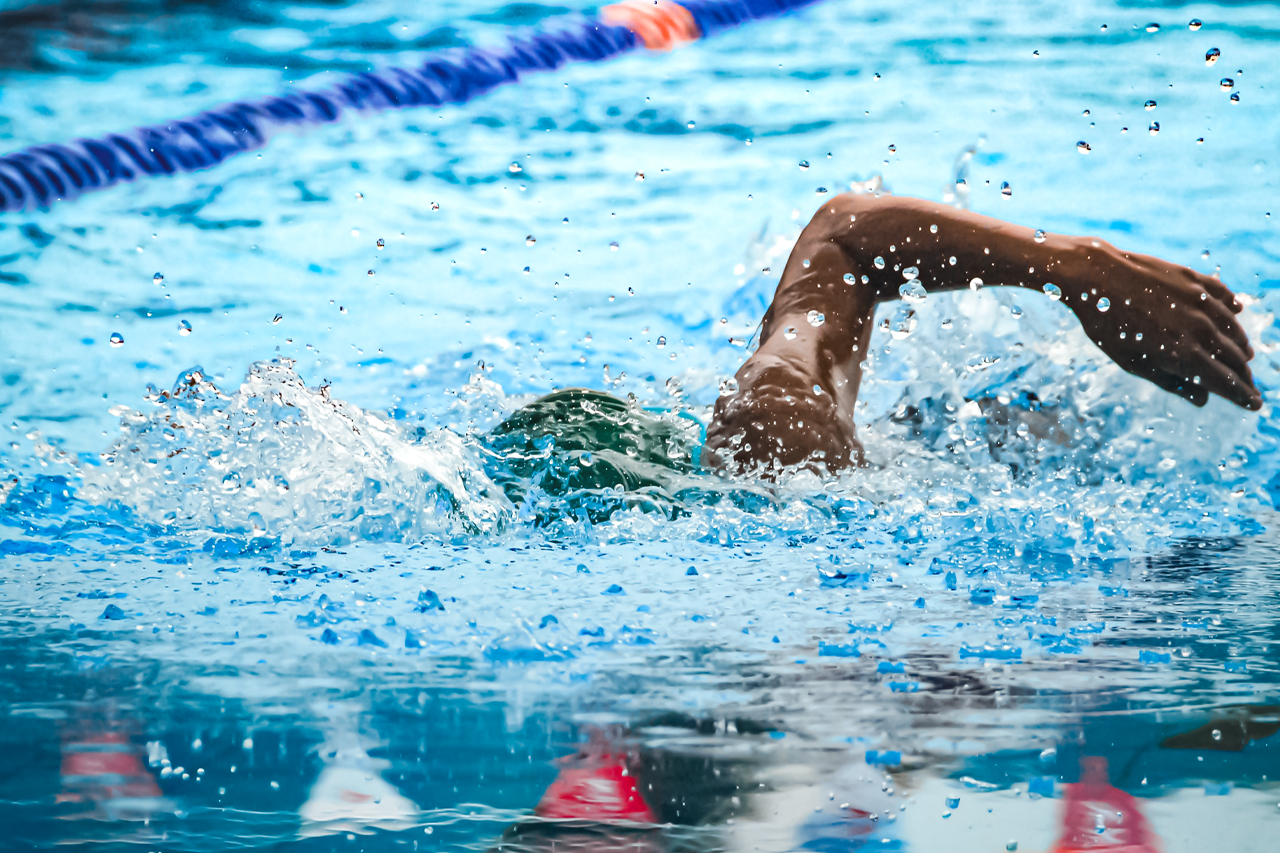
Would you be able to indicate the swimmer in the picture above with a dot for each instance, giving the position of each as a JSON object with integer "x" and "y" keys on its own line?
{"x": 795, "y": 405}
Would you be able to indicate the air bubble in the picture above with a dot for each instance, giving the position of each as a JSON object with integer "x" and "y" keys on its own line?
{"x": 1053, "y": 291}
{"x": 816, "y": 318}
{"x": 117, "y": 339}
{"x": 1104, "y": 304}
{"x": 1211, "y": 55}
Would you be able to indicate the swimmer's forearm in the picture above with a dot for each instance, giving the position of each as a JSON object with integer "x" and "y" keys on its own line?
{"x": 878, "y": 240}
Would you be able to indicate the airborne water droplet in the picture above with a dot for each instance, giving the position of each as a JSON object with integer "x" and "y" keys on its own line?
{"x": 848, "y": 278}
{"x": 1195, "y": 24}
{"x": 381, "y": 244}
{"x": 816, "y": 318}
{"x": 975, "y": 284}
{"x": 613, "y": 247}
{"x": 1006, "y": 190}
{"x": 117, "y": 339}
{"x": 1053, "y": 291}
{"x": 1211, "y": 55}
{"x": 1040, "y": 236}
{"x": 1083, "y": 147}
{"x": 913, "y": 291}
{"x": 530, "y": 240}
{"x": 804, "y": 165}
{"x": 662, "y": 341}
{"x": 1217, "y": 735}
{"x": 1104, "y": 304}
{"x": 276, "y": 319}
{"x": 515, "y": 168}
{"x": 184, "y": 328}
{"x": 879, "y": 262}
{"x": 933, "y": 229}
{"x": 1227, "y": 84}
{"x": 911, "y": 273}
{"x": 789, "y": 333}
{"x": 157, "y": 279}
{"x": 1149, "y": 105}
{"x": 1154, "y": 128}
{"x": 1153, "y": 27}
{"x": 1016, "y": 312}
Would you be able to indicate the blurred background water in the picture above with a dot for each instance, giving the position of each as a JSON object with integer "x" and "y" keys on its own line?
{"x": 258, "y": 590}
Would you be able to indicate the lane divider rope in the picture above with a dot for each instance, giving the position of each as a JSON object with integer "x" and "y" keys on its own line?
{"x": 36, "y": 177}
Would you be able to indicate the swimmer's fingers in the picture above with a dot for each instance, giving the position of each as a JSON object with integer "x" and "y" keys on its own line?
{"x": 1219, "y": 291}
{"x": 1231, "y": 384}
{"x": 1227, "y": 326}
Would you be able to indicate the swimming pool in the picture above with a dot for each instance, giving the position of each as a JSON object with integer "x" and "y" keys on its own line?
{"x": 277, "y": 600}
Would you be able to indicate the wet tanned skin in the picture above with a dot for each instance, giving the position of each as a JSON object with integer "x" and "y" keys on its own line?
{"x": 777, "y": 418}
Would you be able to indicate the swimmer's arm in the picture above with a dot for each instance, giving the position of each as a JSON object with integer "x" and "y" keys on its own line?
{"x": 797, "y": 392}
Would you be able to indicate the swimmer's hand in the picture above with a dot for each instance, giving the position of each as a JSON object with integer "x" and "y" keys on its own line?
{"x": 1163, "y": 322}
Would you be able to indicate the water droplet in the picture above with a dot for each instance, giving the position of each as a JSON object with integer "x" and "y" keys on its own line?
{"x": 530, "y": 240}
{"x": 1217, "y": 735}
{"x": 789, "y": 333}
{"x": 913, "y": 291}
{"x": 1104, "y": 304}
{"x": 947, "y": 324}
{"x": 1016, "y": 312}
{"x": 933, "y": 229}
{"x": 866, "y": 279}
{"x": 117, "y": 339}
{"x": 1085, "y": 113}
{"x": 816, "y": 318}
{"x": 381, "y": 244}
{"x": 691, "y": 125}
{"x": 911, "y": 273}
{"x": 975, "y": 284}
{"x": 184, "y": 328}
{"x": 805, "y": 263}
{"x": 953, "y": 802}
{"x": 435, "y": 205}
{"x": 1153, "y": 27}
{"x": 848, "y": 278}
{"x": 371, "y": 273}
{"x": 1083, "y": 147}
{"x": 729, "y": 387}
{"x": 1049, "y": 755}
{"x": 1005, "y": 189}
{"x": 952, "y": 260}
{"x": 639, "y": 176}
{"x": 1235, "y": 97}
{"x": 662, "y": 341}
{"x": 1154, "y": 128}
{"x": 157, "y": 279}
{"x": 1195, "y": 379}
{"x": 276, "y": 319}
{"x": 1227, "y": 84}
{"x": 428, "y": 830}
{"x": 893, "y": 149}
{"x": 1053, "y": 291}
{"x": 879, "y": 262}
{"x": 515, "y": 168}
{"x": 1195, "y": 24}
{"x": 1211, "y": 55}
{"x": 804, "y": 165}
{"x": 1040, "y": 236}
{"x": 1138, "y": 336}
{"x": 1149, "y": 105}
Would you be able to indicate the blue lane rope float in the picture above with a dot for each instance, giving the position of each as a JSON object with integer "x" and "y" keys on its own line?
{"x": 36, "y": 177}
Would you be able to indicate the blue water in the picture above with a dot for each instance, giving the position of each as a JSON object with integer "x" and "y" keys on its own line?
{"x": 253, "y": 554}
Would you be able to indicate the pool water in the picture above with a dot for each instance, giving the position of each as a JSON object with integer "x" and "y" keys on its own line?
{"x": 262, "y": 581}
